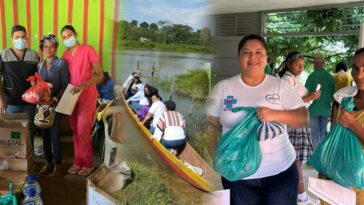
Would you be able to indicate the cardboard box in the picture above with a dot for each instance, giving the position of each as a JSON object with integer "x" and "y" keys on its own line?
{"x": 18, "y": 179}
{"x": 15, "y": 164}
{"x": 14, "y": 135}
{"x": 95, "y": 194}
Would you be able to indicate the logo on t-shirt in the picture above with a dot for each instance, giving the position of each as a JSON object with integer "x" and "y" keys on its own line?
{"x": 229, "y": 102}
{"x": 273, "y": 98}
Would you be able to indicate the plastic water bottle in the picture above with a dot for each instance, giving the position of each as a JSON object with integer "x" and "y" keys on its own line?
{"x": 31, "y": 197}
{"x": 31, "y": 183}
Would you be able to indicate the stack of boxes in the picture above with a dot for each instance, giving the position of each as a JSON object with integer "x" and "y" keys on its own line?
{"x": 15, "y": 144}
{"x": 16, "y": 157}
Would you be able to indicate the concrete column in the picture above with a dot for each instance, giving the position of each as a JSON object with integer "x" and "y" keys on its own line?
{"x": 361, "y": 35}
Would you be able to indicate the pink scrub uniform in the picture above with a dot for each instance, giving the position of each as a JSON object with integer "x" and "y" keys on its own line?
{"x": 81, "y": 120}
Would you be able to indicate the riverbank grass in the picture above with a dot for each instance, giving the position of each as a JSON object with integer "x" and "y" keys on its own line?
{"x": 147, "y": 187}
{"x": 194, "y": 84}
{"x": 154, "y": 46}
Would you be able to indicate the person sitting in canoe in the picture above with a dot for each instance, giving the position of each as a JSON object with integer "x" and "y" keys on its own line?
{"x": 132, "y": 89}
{"x": 170, "y": 128}
{"x": 128, "y": 83}
{"x": 147, "y": 101}
{"x": 155, "y": 111}
{"x": 106, "y": 89}
{"x": 134, "y": 99}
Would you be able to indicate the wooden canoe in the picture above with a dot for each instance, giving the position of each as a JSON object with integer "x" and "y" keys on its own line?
{"x": 209, "y": 181}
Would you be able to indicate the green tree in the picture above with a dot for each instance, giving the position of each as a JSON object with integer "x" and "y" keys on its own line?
{"x": 322, "y": 23}
{"x": 204, "y": 36}
{"x": 123, "y": 27}
{"x": 134, "y": 23}
{"x": 179, "y": 33}
{"x": 153, "y": 27}
{"x": 144, "y": 25}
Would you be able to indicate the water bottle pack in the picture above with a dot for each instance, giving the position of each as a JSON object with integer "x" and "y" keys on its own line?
{"x": 32, "y": 191}
{"x": 31, "y": 183}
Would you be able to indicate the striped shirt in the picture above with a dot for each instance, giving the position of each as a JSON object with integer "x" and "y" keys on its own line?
{"x": 171, "y": 124}
{"x": 171, "y": 118}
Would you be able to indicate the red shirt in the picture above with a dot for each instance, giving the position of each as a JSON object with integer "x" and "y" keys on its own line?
{"x": 80, "y": 68}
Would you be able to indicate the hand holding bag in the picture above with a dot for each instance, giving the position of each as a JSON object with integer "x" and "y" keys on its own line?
{"x": 238, "y": 152}
{"x": 40, "y": 91}
{"x": 339, "y": 155}
{"x": 44, "y": 116}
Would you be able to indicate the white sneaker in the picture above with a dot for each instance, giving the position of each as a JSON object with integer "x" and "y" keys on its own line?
{"x": 38, "y": 150}
{"x": 309, "y": 201}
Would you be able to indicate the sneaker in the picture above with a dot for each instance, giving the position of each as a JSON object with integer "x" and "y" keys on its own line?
{"x": 38, "y": 150}
{"x": 309, "y": 201}
{"x": 84, "y": 171}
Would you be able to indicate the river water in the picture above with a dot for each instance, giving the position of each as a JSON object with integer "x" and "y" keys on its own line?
{"x": 167, "y": 64}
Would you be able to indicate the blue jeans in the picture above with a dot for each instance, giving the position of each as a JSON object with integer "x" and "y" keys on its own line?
{"x": 135, "y": 106}
{"x": 152, "y": 129}
{"x": 318, "y": 129}
{"x": 280, "y": 189}
{"x": 172, "y": 144}
{"x": 30, "y": 110}
{"x": 51, "y": 139}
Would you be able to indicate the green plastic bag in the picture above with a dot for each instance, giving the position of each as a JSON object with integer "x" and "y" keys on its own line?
{"x": 9, "y": 199}
{"x": 238, "y": 153}
{"x": 339, "y": 156}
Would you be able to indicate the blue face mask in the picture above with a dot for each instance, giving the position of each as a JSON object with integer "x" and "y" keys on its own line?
{"x": 69, "y": 43}
{"x": 20, "y": 44}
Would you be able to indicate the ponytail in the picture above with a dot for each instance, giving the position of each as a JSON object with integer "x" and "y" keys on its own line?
{"x": 283, "y": 70}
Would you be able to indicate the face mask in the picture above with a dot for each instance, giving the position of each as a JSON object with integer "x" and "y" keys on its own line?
{"x": 69, "y": 43}
{"x": 20, "y": 44}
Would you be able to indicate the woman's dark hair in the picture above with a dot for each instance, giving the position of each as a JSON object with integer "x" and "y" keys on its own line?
{"x": 359, "y": 51}
{"x": 17, "y": 28}
{"x": 170, "y": 105}
{"x": 50, "y": 37}
{"x": 152, "y": 91}
{"x": 158, "y": 96}
{"x": 106, "y": 76}
{"x": 68, "y": 27}
{"x": 341, "y": 66}
{"x": 252, "y": 37}
{"x": 292, "y": 56}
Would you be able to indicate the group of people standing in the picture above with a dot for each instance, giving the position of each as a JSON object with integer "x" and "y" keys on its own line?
{"x": 79, "y": 66}
{"x": 285, "y": 100}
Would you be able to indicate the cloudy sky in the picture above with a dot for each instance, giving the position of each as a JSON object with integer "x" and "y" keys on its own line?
{"x": 187, "y": 12}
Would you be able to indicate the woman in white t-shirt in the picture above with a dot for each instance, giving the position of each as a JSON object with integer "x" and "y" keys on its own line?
{"x": 276, "y": 180}
{"x": 156, "y": 111}
{"x": 301, "y": 137}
